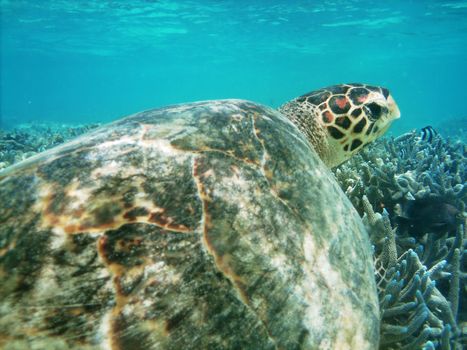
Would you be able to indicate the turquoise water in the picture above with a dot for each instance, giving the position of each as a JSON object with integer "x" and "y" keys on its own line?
{"x": 88, "y": 61}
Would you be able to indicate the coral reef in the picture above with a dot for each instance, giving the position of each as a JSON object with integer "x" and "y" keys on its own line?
{"x": 418, "y": 286}
{"x": 26, "y": 140}
{"x": 421, "y": 279}
{"x": 390, "y": 170}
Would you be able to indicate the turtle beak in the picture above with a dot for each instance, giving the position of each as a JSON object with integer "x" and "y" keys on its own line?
{"x": 394, "y": 112}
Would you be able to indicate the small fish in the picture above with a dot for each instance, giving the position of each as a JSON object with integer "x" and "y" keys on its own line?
{"x": 427, "y": 133}
{"x": 403, "y": 153}
{"x": 428, "y": 215}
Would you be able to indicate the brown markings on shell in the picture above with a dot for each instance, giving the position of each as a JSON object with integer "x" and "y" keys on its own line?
{"x": 109, "y": 215}
{"x": 79, "y": 212}
{"x": 204, "y": 198}
{"x": 158, "y": 217}
{"x": 59, "y": 216}
{"x": 118, "y": 271}
{"x": 126, "y": 246}
{"x": 222, "y": 261}
{"x": 120, "y": 299}
{"x": 133, "y": 213}
{"x": 154, "y": 217}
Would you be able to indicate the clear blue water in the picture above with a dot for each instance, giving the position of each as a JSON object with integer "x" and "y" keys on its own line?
{"x": 88, "y": 61}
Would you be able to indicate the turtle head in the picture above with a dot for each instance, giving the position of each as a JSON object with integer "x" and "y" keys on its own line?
{"x": 340, "y": 120}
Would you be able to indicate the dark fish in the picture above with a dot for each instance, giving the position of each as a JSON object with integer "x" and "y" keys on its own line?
{"x": 428, "y": 215}
{"x": 427, "y": 133}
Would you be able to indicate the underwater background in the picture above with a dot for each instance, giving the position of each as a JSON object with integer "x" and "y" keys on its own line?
{"x": 68, "y": 66}
{"x": 94, "y": 61}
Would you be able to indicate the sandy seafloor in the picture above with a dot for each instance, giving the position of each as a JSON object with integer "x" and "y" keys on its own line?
{"x": 422, "y": 287}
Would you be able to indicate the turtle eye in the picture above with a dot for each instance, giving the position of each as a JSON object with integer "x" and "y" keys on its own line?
{"x": 373, "y": 110}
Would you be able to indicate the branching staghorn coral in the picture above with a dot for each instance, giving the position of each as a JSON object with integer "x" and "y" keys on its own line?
{"x": 415, "y": 314}
{"x": 431, "y": 265}
{"x": 390, "y": 170}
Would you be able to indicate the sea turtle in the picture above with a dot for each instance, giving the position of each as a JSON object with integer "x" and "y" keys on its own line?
{"x": 208, "y": 225}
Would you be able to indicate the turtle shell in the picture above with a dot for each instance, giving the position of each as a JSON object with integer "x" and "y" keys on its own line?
{"x": 211, "y": 225}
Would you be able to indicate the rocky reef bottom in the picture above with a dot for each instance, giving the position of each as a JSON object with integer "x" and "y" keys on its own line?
{"x": 412, "y": 195}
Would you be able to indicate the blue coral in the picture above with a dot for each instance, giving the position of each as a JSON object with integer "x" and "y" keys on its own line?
{"x": 421, "y": 280}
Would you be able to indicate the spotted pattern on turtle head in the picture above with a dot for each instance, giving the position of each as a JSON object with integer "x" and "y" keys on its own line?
{"x": 350, "y": 116}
